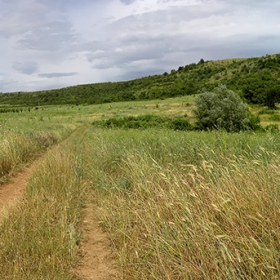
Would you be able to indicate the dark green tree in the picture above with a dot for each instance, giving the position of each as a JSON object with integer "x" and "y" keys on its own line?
{"x": 272, "y": 97}
{"x": 201, "y": 61}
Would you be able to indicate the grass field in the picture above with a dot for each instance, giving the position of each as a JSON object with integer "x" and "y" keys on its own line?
{"x": 25, "y": 136}
{"x": 188, "y": 205}
{"x": 176, "y": 205}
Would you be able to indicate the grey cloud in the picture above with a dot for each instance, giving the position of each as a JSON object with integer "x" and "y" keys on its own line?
{"x": 151, "y": 42}
{"x": 39, "y": 25}
{"x": 136, "y": 74}
{"x": 159, "y": 20}
{"x": 57, "y": 75}
{"x": 18, "y": 17}
{"x": 137, "y": 45}
{"x": 144, "y": 39}
{"x": 6, "y": 84}
{"x": 27, "y": 68}
{"x": 122, "y": 53}
{"x": 50, "y": 37}
{"x": 128, "y": 2}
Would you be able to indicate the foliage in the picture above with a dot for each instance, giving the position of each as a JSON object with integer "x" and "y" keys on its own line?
{"x": 170, "y": 201}
{"x": 221, "y": 109}
{"x": 272, "y": 97}
{"x": 145, "y": 121}
{"x": 252, "y": 78}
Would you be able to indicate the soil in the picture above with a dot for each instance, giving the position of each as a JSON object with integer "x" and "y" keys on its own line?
{"x": 11, "y": 192}
{"x": 97, "y": 261}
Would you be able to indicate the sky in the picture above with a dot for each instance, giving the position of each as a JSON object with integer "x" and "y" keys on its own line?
{"x": 46, "y": 44}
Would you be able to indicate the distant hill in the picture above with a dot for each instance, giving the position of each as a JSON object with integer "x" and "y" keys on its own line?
{"x": 255, "y": 79}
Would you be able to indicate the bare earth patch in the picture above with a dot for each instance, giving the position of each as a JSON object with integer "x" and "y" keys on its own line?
{"x": 97, "y": 261}
{"x": 11, "y": 192}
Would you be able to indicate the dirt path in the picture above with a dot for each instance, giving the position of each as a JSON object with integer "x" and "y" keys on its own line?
{"x": 97, "y": 261}
{"x": 96, "y": 256}
{"x": 11, "y": 192}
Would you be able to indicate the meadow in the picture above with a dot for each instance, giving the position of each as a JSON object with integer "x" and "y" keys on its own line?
{"x": 24, "y": 137}
{"x": 175, "y": 204}
{"x": 189, "y": 205}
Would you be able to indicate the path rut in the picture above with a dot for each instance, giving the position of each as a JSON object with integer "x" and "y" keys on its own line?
{"x": 96, "y": 256}
{"x": 11, "y": 192}
{"x": 97, "y": 261}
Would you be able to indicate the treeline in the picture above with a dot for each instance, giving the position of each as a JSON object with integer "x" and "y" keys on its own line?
{"x": 255, "y": 79}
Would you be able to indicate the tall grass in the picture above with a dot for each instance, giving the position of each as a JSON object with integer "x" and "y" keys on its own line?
{"x": 190, "y": 205}
{"x": 39, "y": 236}
{"x": 23, "y": 140}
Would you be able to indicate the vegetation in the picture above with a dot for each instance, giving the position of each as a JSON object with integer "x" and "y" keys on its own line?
{"x": 146, "y": 121}
{"x": 255, "y": 79}
{"x": 177, "y": 203}
{"x": 220, "y": 109}
{"x": 189, "y": 205}
{"x": 22, "y": 141}
{"x": 171, "y": 204}
{"x": 223, "y": 109}
{"x": 39, "y": 236}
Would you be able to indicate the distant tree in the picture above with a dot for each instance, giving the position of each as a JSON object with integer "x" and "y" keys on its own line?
{"x": 272, "y": 97}
{"x": 201, "y": 61}
{"x": 222, "y": 109}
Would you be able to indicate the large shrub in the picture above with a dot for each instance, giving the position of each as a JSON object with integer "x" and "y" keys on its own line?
{"x": 223, "y": 109}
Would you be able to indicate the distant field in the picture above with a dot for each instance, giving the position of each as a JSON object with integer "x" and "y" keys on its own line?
{"x": 171, "y": 107}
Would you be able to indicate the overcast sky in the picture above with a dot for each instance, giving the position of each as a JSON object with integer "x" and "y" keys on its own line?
{"x": 48, "y": 44}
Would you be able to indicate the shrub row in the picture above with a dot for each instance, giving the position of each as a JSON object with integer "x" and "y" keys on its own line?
{"x": 146, "y": 121}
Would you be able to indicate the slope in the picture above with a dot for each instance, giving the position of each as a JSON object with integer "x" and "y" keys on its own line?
{"x": 253, "y": 78}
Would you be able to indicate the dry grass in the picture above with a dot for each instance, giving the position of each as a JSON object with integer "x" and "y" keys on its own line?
{"x": 190, "y": 206}
{"x": 39, "y": 236}
{"x": 176, "y": 205}
{"x": 22, "y": 140}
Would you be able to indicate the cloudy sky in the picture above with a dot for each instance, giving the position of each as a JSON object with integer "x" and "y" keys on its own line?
{"x": 48, "y": 44}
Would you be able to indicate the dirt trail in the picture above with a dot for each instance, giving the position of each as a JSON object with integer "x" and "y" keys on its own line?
{"x": 97, "y": 261}
{"x": 11, "y": 192}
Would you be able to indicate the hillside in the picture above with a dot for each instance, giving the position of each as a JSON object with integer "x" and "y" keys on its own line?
{"x": 255, "y": 79}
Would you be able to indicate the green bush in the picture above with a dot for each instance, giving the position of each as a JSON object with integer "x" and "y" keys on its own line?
{"x": 180, "y": 123}
{"x": 146, "y": 121}
{"x": 272, "y": 128}
{"x": 275, "y": 118}
{"x": 223, "y": 109}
